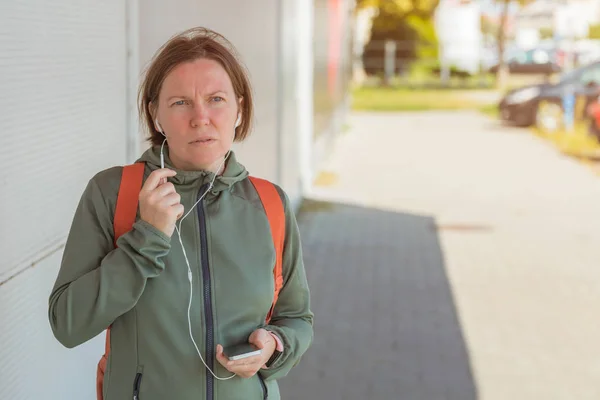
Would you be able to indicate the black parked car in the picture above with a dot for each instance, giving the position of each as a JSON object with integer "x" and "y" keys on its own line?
{"x": 534, "y": 61}
{"x": 542, "y": 104}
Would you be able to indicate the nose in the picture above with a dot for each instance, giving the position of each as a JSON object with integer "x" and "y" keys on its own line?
{"x": 200, "y": 116}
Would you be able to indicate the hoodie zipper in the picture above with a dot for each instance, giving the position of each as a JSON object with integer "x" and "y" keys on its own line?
{"x": 263, "y": 386}
{"x": 136, "y": 383}
{"x": 207, "y": 292}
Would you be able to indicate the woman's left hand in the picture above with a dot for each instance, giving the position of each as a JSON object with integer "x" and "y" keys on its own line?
{"x": 248, "y": 367}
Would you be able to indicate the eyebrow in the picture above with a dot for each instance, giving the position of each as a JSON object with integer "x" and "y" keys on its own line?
{"x": 185, "y": 97}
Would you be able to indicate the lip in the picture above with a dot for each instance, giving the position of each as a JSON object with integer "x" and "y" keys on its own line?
{"x": 203, "y": 141}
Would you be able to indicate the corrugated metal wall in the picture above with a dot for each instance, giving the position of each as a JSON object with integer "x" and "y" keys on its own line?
{"x": 63, "y": 117}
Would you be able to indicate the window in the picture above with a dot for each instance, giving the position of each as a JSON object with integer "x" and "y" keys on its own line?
{"x": 591, "y": 76}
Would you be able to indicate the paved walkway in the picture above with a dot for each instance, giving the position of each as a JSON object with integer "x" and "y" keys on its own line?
{"x": 451, "y": 258}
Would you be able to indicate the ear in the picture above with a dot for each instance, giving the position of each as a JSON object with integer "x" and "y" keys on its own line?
{"x": 152, "y": 109}
{"x": 238, "y": 121}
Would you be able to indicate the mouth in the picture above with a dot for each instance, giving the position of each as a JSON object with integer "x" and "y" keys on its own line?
{"x": 203, "y": 141}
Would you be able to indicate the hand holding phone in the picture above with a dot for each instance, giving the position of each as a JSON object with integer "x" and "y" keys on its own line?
{"x": 243, "y": 359}
{"x": 241, "y": 351}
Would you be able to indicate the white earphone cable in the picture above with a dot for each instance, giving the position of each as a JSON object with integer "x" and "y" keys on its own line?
{"x": 190, "y": 277}
{"x": 178, "y": 229}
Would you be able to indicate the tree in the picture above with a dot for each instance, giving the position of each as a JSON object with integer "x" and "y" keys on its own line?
{"x": 502, "y": 72}
{"x": 594, "y": 32}
{"x": 401, "y": 7}
{"x": 546, "y": 33}
{"x": 408, "y": 22}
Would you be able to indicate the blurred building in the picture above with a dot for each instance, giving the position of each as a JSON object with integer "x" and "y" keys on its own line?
{"x": 458, "y": 29}
{"x": 565, "y": 19}
{"x": 69, "y": 72}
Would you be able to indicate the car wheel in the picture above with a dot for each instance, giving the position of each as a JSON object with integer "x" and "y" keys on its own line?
{"x": 548, "y": 116}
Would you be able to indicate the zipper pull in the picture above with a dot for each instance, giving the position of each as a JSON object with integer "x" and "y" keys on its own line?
{"x": 136, "y": 386}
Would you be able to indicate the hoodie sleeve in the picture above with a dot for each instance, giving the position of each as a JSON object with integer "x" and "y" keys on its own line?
{"x": 292, "y": 318}
{"x": 96, "y": 282}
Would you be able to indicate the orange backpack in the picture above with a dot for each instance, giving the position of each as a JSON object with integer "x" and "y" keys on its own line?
{"x": 125, "y": 214}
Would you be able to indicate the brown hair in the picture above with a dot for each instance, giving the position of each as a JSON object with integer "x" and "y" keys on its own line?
{"x": 190, "y": 45}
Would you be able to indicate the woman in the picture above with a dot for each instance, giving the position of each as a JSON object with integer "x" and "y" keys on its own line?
{"x": 195, "y": 101}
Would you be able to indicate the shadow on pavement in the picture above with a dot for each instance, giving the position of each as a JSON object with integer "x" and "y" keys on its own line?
{"x": 386, "y": 326}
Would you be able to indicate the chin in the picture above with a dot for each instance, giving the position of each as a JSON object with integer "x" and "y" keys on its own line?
{"x": 205, "y": 162}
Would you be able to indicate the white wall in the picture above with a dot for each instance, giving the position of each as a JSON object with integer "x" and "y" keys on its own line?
{"x": 295, "y": 91}
{"x": 33, "y": 364}
{"x": 305, "y": 95}
{"x": 63, "y": 118}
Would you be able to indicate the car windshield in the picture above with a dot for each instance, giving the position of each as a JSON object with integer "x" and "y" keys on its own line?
{"x": 574, "y": 73}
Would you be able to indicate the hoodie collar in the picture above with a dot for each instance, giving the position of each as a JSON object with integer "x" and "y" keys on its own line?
{"x": 233, "y": 172}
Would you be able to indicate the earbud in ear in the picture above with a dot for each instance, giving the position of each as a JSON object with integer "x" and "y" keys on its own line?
{"x": 238, "y": 121}
{"x": 157, "y": 126}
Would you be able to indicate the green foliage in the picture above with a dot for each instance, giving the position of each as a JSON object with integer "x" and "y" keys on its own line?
{"x": 546, "y": 33}
{"x": 427, "y": 45}
{"x": 407, "y": 22}
{"x": 401, "y": 8}
{"x": 594, "y": 32}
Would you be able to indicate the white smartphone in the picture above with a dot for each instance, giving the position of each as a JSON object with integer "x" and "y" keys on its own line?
{"x": 240, "y": 351}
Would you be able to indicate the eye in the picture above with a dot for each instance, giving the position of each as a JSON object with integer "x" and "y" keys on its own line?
{"x": 218, "y": 99}
{"x": 180, "y": 103}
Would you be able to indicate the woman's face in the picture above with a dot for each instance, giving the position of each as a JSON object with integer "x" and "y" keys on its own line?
{"x": 197, "y": 110}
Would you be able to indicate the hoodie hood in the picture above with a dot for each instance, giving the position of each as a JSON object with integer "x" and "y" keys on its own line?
{"x": 233, "y": 172}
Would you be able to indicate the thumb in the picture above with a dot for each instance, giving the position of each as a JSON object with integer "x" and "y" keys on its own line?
{"x": 258, "y": 338}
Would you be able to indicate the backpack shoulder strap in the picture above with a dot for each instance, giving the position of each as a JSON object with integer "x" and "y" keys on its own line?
{"x": 127, "y": 199}
{"x": 126, "y": 209}
{"x": 125, "y": 212}
{"x": 273, "y": 205}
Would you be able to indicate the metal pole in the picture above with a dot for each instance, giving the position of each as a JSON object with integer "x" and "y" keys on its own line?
{"x": 390, "y": 61}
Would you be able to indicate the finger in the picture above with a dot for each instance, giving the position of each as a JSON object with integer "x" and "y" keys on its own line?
{"x": 261, "y": 339}
{"x": 179, "y": 210}
{"x": 243, "y": 370}
{"x": 223, "y": 360}
{"x": 165, "y": 189}
{"x": 221, "y": 357}
{"x": 257, "y": 337}
{"x": 246, "y": 375}
{"x": 155, "y": 177}
{"x": 249, "y": 361}
{"x": 171, "y": 199}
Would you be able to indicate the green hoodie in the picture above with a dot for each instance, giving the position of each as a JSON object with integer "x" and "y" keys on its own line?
{"x": 142, "y": 288}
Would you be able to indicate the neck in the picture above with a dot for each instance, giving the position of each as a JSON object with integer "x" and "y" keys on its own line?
{"x": 217, "y": 167}
{"x": 220, "y": 165}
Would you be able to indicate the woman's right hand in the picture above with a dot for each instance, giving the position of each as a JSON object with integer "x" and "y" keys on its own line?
{"x": 159, "y": 202}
